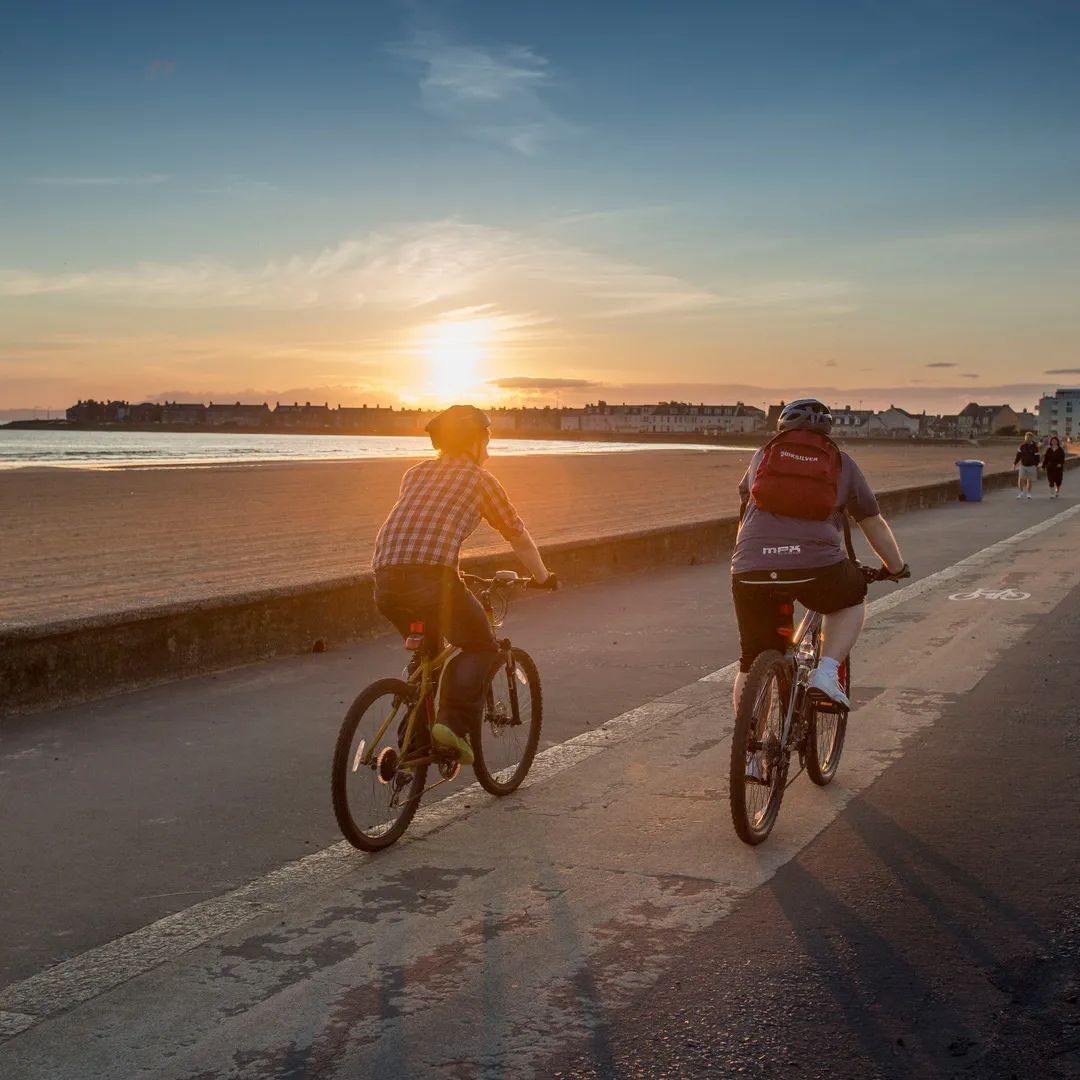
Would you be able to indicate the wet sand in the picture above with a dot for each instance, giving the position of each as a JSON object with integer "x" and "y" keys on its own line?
{"x": 81, "y": 542}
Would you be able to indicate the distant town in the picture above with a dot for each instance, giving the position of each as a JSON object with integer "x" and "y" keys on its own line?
{"x": 1056, "y": 414}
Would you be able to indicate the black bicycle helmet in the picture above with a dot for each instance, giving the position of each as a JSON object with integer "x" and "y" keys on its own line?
{"x": 807, "y": 414}
{"x": 458, "y": 428}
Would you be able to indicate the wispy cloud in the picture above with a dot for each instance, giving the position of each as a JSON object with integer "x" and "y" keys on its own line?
{"x": 1063, "y": 371}
{"x": 529, "y": 382}
{"x": 430, "y": 264}
{"x": 493, "y": 93}
{"x": 99, "y": 181}
{"x": 940, "y": 365}
{"x": 160, "y": 69}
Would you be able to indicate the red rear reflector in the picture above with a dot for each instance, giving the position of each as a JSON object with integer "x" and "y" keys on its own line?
{"x": 784, "y": 631}
{"x": 416, "y": 628}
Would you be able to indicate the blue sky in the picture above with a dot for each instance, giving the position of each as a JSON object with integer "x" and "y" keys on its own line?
{"x": 353, "y": 197}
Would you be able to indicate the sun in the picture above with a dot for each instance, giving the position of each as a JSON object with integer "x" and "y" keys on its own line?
{"x": 455, "y": 351}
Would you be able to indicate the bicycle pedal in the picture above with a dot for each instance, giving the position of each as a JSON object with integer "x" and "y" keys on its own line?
{"x": 822, "y": 702}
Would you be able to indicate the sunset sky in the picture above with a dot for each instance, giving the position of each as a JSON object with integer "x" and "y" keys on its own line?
{"x": 420, "y": 202}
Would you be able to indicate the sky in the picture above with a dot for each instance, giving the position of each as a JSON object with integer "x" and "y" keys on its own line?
{"x": 415, "y": 203}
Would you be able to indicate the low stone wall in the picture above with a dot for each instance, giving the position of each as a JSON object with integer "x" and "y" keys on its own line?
{"x": 72, "y": 661}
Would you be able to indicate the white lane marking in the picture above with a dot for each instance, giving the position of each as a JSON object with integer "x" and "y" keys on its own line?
{"x": 94, "y": 972}
{"x": 991, "y": 594}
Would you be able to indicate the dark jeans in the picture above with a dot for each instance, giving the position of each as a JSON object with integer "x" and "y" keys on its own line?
{"x": 437, "y": 597}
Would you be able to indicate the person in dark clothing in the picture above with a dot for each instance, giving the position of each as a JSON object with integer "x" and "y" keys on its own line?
{"x": 1026, "y": 464}
{"x": 1054, "y": 464}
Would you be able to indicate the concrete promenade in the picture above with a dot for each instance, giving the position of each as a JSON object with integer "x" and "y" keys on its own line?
{"x": 177, "y": 903}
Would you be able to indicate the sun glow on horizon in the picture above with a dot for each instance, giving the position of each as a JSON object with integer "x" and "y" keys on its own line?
{"x": 456, "y": 352}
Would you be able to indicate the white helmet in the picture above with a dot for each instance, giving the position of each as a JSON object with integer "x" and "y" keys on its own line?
{"x": 807, "y": 414}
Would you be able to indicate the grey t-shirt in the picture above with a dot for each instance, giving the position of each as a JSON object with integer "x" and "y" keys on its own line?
{"x": 773, "y": 542}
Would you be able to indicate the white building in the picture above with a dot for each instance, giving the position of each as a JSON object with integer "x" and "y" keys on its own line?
{"x": 1060, "y": 415}
{"x": 895, "y": 422}
{"x": 625, "y": 419}
{"x": 851, "y": 423}
{"x": 672, "y": 417}
{"x": 678, "y": 418}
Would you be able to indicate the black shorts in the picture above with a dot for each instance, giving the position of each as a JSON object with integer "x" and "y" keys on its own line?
{"x": 765, "y": 602}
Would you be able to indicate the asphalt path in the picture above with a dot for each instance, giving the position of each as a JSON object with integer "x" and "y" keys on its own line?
{"x": 932, "y": 931}
{"x": 139, "y": 805}
{"x": 136, "y": 808}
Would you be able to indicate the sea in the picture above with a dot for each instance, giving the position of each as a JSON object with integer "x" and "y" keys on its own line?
{"x": 22, "y": 448}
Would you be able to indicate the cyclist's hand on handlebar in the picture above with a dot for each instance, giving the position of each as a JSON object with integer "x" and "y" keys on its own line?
{"x": 550, "y": 583}
{"x": 903, "y": 572}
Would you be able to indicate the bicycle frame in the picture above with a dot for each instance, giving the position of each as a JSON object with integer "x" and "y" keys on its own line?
{"x": 802, "y": 663}
{"x": 424, "y": 677}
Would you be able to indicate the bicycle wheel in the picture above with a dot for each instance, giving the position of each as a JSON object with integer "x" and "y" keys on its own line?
{"x": 374, "y": 799}
{"x": 758, "y": 763}
{"x": 505, "y": 740}
{"x": 825, "y": 735}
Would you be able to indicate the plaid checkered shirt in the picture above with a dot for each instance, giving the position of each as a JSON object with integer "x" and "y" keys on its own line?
{"x": 440, "y": 505}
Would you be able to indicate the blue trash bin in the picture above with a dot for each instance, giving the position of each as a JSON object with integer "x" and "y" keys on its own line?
{"x": 971, "y": 480}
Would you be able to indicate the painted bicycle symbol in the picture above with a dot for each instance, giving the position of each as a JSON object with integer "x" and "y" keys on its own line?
{"x": 991, "y": 594}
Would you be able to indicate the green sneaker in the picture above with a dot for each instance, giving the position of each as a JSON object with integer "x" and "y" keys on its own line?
{"x": 442, "y": 736}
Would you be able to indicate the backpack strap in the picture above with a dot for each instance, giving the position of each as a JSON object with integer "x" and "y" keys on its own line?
{"x": 847, "y": 537}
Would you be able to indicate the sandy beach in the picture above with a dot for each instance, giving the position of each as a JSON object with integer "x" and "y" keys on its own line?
{"x": 81, "y": 542}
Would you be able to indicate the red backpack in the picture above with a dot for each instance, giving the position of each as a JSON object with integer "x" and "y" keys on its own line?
{"x": 798, "y": 476}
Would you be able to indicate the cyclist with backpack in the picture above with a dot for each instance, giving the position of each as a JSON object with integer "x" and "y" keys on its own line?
{"x": 797, "y": 494}
{"x": 416, "y": 562}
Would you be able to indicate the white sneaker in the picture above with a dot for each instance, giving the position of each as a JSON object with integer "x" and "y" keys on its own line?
{"x": 829, "y": 685}
{"x": 1028, "y": 496}
{"x": 1019, "y": 494}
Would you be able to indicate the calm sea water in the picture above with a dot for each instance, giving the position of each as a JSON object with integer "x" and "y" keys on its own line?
{"x": 116, "y": 449}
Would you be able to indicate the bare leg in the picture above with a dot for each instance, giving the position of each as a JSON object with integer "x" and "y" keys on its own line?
{"x": 841, "y": 630}
{"x": 736, "y": 693}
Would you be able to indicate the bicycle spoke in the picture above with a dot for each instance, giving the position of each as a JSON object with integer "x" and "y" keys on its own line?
{"x": 375, "y": 791}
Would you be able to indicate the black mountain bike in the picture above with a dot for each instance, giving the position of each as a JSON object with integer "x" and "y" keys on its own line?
{"x": 779, "y": 718}
{"x": 384, "y": 751}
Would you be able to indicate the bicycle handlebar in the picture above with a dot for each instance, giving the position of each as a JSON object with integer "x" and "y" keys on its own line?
{"x": 879, "y": 573}
{"x": 509, "y": 579}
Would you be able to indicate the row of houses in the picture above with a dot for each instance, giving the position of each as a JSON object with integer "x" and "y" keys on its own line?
{"x": 974, "y": 421}
{"x": 282, "y": 417}
{"x": 297, "y": 416}
{"x": 666, "y": 418}
{"x": 669, "y": 417}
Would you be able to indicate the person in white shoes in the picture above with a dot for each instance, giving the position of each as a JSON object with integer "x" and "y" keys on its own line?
{"x": 1026, "y": 464}
{"x": 791, "y": 544}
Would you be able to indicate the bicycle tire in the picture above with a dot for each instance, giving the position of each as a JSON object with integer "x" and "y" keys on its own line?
{"x": 821, "y": 768}
{"x": 770, "y": 666}
{"x": 486, "y": 731}
{"x": 357, "y": 835}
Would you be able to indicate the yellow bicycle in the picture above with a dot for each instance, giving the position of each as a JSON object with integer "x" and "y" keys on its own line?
{"x": 384, "y": 751}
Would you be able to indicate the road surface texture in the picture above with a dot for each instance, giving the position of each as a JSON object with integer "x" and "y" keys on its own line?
{"x": 917, "y": 918}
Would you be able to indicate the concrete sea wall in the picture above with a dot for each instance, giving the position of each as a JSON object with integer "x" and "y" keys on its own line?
{"x": 77, "y": 660}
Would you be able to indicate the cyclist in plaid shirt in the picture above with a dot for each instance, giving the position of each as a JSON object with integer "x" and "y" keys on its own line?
{"x": 416, "y": 562}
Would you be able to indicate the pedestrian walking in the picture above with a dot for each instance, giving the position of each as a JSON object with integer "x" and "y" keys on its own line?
{"x": 1054, "y": 464}
{"x": 1026, "y": 464}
